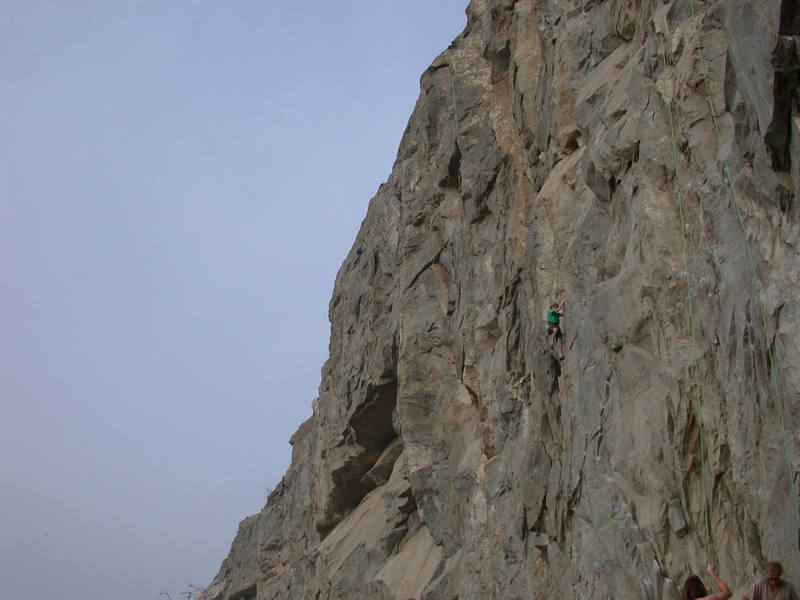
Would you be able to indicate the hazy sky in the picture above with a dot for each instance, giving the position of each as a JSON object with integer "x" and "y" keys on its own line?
{"x": 179, "y": 182}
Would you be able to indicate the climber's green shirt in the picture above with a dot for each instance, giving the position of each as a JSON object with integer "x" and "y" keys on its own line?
{"x": 553, "y": 316}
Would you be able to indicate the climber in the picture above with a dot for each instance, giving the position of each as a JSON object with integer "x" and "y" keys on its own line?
{"x": 772, "y": 587}
{"x": 693, "y": 587}
{"x": 554, "y": 332}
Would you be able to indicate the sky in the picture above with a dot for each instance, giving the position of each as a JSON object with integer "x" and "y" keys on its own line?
{"x": 180, "y": 180}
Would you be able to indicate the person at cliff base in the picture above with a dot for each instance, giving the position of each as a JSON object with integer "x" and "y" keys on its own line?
{"x": 554, "y": 333}
{"x": 693, "y": 588}
{"x": 772, "y": 587}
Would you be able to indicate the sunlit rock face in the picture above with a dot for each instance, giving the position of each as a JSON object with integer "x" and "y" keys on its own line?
{"x": 551, "y": 153}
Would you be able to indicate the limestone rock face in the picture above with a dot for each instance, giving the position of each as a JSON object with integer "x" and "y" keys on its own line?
{"x": 640, "y": 159}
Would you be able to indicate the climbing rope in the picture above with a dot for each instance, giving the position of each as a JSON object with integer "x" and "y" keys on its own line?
{"x": 554, "y": 588}
{"x": 696, "y": 390}
{"x": 773, "y": 366}
{"x": 453, "y": 102}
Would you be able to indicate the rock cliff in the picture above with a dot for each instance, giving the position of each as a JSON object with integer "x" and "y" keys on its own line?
{"x": 640, "y": 159}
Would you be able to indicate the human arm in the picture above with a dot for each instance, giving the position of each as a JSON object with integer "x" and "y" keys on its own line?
{"x": 724, "y": 591}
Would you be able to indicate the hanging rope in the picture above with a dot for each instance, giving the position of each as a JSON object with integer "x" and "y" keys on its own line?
{"x": 453, "y": 103}
{"x": 696, "y": 389}
{"x": 554, "y": 588}
{"x": 773, "y": 366}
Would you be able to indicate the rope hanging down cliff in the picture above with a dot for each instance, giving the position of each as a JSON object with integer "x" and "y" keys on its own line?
{"x": 755, "y": 282}
{"x": 696, "y": 390}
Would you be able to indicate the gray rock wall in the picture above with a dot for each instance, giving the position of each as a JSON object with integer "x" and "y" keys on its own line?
{"x": 450, "y": 456}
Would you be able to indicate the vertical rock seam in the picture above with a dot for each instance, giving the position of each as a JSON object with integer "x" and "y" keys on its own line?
{"x": 449, "y": 455}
